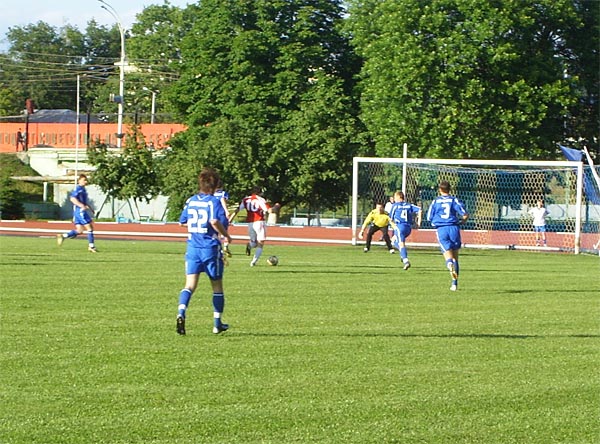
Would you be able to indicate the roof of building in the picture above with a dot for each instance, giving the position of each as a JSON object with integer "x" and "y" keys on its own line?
{"x": 56, "y": 116}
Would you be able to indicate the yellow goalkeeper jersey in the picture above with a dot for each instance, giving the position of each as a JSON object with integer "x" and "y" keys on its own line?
{"x": 378, "y": 219}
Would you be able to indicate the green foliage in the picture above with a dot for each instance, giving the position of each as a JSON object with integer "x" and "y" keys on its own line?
{"x": 11, "y": 165}
{"x": 43, "y": 63}
{"x": 465, "y": 79}
{"x": 268, "y": 87}
{"x": 156, "y": 39}
{"x": 11, "y": 206}
{"x": 265, "y": 88}
{"x": 130, "y": 173}
{"x": 334, "y": 346}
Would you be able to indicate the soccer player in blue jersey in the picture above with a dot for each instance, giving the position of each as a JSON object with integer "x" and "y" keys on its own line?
{"x": 81, "y": 215}
{"x": 205, "y": 219}
{"x": 223, "y": 196}
{"x": 401, "y": 213}
{"x": 446, "y": 214}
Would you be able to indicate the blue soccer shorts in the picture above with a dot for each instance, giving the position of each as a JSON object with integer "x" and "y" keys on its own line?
{"x": 82, "y": 218}
{"x": 449, "y": 237}
{"x": 204, "y": 260}
{"x": 402, "y": 231}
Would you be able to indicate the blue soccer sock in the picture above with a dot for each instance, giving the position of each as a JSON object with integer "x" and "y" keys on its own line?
{"x": 72, "y": 234}
{"x": 184, "y": 300}
{"x": 90, "y": 236}
{"x": 403, "y": 253}
{"x": 218, "y": 307}
{"x": 456, "y": 267}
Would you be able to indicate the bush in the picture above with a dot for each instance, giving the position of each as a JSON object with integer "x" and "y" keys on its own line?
{"x": 10, "y": 203}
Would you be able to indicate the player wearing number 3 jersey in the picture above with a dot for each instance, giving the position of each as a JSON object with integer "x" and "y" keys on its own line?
{"x": 256, "y": 212}
{"x": 205, "y": 219}
{"x": 446, "y": 213}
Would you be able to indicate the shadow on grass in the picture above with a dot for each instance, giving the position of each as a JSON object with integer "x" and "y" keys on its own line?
{"x": 416, "y": 335}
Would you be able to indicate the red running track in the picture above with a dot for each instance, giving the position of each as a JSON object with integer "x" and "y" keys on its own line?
{"x": 283, "y": 234}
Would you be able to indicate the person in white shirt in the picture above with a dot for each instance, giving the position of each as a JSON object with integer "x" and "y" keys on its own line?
{"x": 539, "y": 214}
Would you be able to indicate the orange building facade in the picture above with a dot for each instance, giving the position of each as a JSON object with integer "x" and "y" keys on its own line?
{"x": 64, "y": 135}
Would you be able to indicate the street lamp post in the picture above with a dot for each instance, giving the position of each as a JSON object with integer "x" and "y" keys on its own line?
{"x": 108, "y": 8}
{"x": 77, "y": 129}
{"x": 153, "y": 107}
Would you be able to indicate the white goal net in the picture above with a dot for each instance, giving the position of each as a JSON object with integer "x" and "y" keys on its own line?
{"x": 497, "y": 194}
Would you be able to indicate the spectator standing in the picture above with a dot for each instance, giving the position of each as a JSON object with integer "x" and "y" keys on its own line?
{"x": 20, "y": 140}
{"x": 539, "y": 213}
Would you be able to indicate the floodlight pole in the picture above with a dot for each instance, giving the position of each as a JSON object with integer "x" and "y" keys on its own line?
{"x": 107, "y": 7}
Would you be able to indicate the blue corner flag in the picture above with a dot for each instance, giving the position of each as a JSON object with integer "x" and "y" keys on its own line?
{"x": 571, "y": 153}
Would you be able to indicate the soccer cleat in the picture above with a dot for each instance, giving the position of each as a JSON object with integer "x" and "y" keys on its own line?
{"x": 406, "y": 265}
{"x": 92, "y": 250}
{"x": 366, "y": 250}
{"x": 59, "y": 239}
{"x": 253, "y": 263}
{"x": 453, "y": 287}
{"x": 453, "y": 272}
{"x": 227, "y": 251}
{"x": 248, "y": 249}
{"x": 180, "y": 325}
{"x": 221, "y": 328}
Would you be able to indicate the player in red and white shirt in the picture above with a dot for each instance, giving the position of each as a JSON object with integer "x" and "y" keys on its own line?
{"x": 257, "y": 210}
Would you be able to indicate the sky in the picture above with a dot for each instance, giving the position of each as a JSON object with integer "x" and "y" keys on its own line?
{"x": 70, "y": 12}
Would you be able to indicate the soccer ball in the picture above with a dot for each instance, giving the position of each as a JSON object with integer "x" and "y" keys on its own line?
{"x": 273, "y": 260}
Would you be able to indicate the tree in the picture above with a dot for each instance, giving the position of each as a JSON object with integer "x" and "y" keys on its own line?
{"x": 480, "y": 79}
{"x": 131, "y": 173}
{"x": 11, "y": 206}
{"x": 155, "y": 47}
{"x": 43, "y": 63}
{"x": 266, "y": 91}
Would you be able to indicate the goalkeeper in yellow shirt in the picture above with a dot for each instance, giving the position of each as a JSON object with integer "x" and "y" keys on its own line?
{"x": 379, "y": 221}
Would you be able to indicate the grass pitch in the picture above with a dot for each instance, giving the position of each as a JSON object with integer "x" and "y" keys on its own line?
{"x": 331, "y": 346}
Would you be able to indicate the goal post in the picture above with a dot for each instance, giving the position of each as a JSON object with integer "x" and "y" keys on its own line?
{"x": 498, "y": 195}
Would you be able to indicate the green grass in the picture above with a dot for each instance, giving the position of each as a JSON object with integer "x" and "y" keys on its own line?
{"x": 331, "y": 346}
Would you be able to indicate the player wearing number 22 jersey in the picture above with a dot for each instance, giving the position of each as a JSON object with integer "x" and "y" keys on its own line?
{"x": 204, "y": 217}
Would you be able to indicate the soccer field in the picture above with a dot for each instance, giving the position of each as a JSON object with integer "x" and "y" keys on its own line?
{"x": 331, "y": 346}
